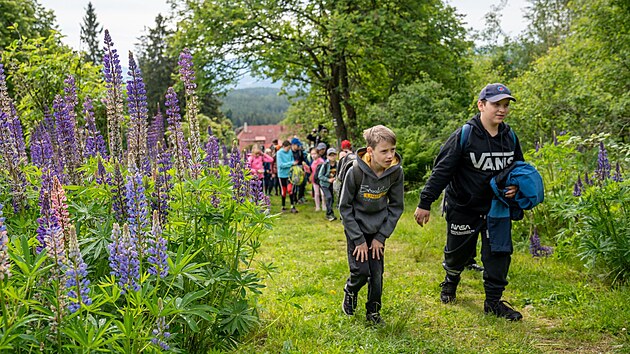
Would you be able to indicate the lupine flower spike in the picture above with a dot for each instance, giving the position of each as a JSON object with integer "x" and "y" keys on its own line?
{"x": 158, "y": 258}
{"x": 187, "y": 75}
{"x": 603, "y": 165}
{"x": 535, "y": 248}
{"x": 161, "y": 331}
{"x": 77, "y": 283}
{"x": 114, "y": 97}
{"x": 138, "y": 112}
{"x": 577, "y": 188}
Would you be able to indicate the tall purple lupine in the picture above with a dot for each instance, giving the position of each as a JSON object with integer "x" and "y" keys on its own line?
{"x": 137, "y": 209}
{"x": 119, "y": 199}
{"x": 577, "y": 187}
{"x": 77, "y": 283}
{"x": 14, "y": 127}
{"x": 5, "y": 264}
{"x": 587, "y": 181}
{"x": 155, "y": 135}
{"x": 180, "y": 147}
{"x": 102, "y": 176}
{"x": 603, "y": 165}
{"x": 42, "y": 151}
{"x": 226, "y": 155}
{"x": 138, "y": 113}
{"x": 158, "y": 258}
{"x": 47, "y": 217}
{"x": 123, "y": 259}
{"x": 94, "y": 142}
{"x": 11, "y": 162}
{"x": 237, "y": 173}
{"x": 257, "y": 193}
{"x": 162, "y": 185}
{"x": 161, "y": 334}
{"x": 66, "y": 138}
{"x": 212, "y": 151}
{"x": 187, "y": 75}
{"x": 114, "y": 98}
{"x": 535, "y": 248}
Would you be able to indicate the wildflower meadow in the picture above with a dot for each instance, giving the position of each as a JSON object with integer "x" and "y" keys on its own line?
{"x": 138, "y": 240}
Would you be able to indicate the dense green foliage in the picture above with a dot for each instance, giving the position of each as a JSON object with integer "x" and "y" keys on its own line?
{"x": 254, "y": 106}
{"x": 24, "y": 19}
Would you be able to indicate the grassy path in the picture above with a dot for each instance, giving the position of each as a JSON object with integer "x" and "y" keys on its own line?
{"x": 564, "y": 309}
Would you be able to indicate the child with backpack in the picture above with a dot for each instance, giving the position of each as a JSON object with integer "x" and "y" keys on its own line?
{"x": 326, "y": 176}
{"x": 372, "y": 201}
{"x": 316, "y": 165}
{"x": 474, "y": 154}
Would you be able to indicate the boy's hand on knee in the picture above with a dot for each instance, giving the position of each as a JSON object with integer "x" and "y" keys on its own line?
{"x": 361, "y": 252}
{"x": 377, "y": 249}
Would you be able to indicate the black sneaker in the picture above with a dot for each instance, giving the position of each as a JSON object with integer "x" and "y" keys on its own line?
{"x": 502, "y": 309}
{"x": 294, "y": 211}
{"x": 331, "y": 218}
{"x": 375, "y": 319}
{"x": 449, "y": 288}
{"x": 283, "y": 209}
{"x": 349, "y": 303}
{"x": 475, "y": 267}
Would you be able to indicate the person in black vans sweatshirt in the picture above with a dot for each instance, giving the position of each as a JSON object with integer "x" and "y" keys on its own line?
{"x": 371, "y": 203}
{"x": 465, "y": 165}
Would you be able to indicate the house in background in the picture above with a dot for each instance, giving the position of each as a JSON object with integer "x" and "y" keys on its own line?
{"x": 260, "y": 135}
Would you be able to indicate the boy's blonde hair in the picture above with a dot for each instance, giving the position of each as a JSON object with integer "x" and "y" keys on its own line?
{"x": 373, "y": 136}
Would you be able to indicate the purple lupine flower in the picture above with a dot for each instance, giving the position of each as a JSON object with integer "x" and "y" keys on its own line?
{"x": 77, "y": 283}
{"x": 47, "y": 217}
{"x": 36, "y": 147}
{"x": 180, "y": 147}
{"x": 617, "y": 176}
{"x": 94, "y": 142}
{"x": 138, "y": 112}
{"x": 187, "y": 73}
{"x": 155, "y": 135}
{"x": 577, "y": 187}
{"x": 237, "y": 173}
{"x": 102, "y": 176}
{"x": 114, "y": 97}
{"x": 212, "y": 151}
{"x": 158, "y": 258}
{"x": 123, "y": 259}
{"x": 137, "y": 210}
{"x": 66, "y": 137}
{"x": 555, "y": 139}
{"x": 257, "y": 193}
{"x": 162, "y": 185}
{"x": 14, "y": 126}
{"x": 537, "y": 146}
{"x": 5, "y": 264}
{"x": 587, "y": 181}
{"x": 11, "y": 162}
{"x": 535, "y": 248}
{"x": 119, "y": 199}
{"x": 161, "y": 331}
{"x": 55, "y": 248}
{"x": 18, "y": 136}
{"x": 603, "y": 165}
{"x": 51, "y": 129}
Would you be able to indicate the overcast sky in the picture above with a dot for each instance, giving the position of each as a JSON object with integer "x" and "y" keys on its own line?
{"x": 126, "y": 20}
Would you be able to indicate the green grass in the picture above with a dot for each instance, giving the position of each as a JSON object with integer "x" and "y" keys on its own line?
{"x": 565, "y": 309}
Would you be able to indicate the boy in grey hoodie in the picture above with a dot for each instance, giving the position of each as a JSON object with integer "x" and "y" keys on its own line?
{"x": 371, "y": 203}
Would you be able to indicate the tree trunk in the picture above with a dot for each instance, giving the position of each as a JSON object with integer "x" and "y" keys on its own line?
{"x": 334, "y": 98}
{"x": 345, "y": 95}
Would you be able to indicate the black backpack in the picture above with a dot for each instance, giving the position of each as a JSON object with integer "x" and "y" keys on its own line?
{"x": 358, "y": 174}
{"x": 342, "y": 169}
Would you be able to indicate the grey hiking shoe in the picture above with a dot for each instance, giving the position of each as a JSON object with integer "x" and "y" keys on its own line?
{"x": 349, "y": 303}
{"x": 502, "y": 309}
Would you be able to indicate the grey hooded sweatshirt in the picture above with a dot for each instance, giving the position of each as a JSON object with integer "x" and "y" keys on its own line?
{"x": 377, "y": 206}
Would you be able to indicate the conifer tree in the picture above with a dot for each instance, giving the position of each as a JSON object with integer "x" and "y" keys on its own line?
{"x": 90, "y": 35}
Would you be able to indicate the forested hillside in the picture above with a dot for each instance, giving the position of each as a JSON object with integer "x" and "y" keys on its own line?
{"x": 256, "y": 106}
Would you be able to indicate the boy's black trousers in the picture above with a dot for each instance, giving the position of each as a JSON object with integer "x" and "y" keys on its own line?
{"x": 461, "y": 243}
{"x": 370, "y": 272}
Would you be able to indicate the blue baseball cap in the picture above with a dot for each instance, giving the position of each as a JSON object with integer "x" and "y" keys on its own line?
{"x": 296, "y": 141}
{"x": 495, "y": 93}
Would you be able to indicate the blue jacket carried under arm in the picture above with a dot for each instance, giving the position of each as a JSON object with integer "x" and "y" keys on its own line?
{"x": 530, "y": 193}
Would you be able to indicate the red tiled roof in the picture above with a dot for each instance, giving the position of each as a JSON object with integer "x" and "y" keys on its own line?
{"x": 260, "y": 134}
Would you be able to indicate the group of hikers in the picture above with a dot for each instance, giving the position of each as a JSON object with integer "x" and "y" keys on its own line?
{"x": 475, "y": 167}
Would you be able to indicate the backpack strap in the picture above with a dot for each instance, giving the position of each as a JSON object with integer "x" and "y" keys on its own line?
{"x": 467, "y": 128}
{"x": 463, "y": 138}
